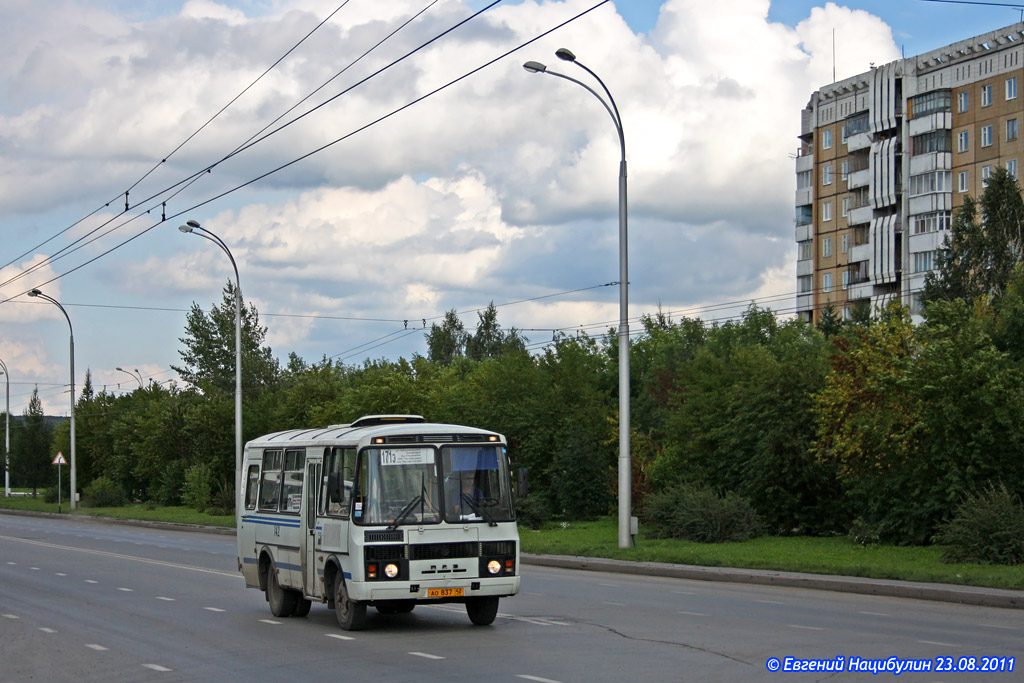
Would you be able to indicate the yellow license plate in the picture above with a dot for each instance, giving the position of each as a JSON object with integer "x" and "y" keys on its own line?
{"x": 444, "y": 592}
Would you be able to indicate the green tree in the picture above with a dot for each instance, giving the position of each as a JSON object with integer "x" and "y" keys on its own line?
{"x": 985, "y": 245}
{"x": 30, "y": 452}
{"x": 209, "y": 349}
{"x": 490, "y": 341}
{"x": 447, "y": 341}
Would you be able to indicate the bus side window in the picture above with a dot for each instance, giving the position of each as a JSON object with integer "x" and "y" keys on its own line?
{"x": 337, "y": 481}
{"x": 294, "y": 468}
{"x": 270, "y": 486}
{"x": 252, "y": 486}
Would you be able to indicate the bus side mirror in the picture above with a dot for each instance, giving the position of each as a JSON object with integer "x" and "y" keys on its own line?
{"x": 334, "y": 491}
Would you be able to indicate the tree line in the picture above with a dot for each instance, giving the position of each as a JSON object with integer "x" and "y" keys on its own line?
{"x": 874, "y": 425}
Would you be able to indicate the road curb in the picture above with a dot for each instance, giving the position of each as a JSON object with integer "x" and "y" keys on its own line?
{"x": 967, "y": 595}
{"x": 940, "y": 592}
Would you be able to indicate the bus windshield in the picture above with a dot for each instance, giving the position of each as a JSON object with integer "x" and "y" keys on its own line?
{"x": 400, "y": 485}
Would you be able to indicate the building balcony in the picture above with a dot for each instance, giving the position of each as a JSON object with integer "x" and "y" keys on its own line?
{"x": 859, "y": 179}
{"x": 859, "y": 215}
{"x": 942, "y": 120}
{"x": 858, "y": 141}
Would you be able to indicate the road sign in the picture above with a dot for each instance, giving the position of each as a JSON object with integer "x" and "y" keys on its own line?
{"x": 59, "y": 460}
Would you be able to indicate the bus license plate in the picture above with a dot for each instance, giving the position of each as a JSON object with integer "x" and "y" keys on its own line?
{"x": 444, "y": 592}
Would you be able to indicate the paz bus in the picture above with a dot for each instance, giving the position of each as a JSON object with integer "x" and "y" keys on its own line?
{"x": 389, "y": 511}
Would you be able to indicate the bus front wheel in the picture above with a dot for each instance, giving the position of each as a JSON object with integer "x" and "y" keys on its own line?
{"x": 482, "y": 611}
{"x": 351, "y": 615}
{"x": 282, "y": 602}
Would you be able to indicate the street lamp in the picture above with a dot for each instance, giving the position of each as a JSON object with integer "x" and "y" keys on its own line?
{"x": 625, "y": 489}
{"x": 137, "y": 376}
{"x": 196, "y": 229}
{"x": 74, "y": 470}
{"x": 7, "y": 431}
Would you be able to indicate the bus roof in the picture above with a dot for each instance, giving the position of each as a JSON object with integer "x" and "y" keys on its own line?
{"x": 368, "y": 427}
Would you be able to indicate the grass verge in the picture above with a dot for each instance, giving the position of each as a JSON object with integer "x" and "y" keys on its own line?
{"x": 836, "y": 555}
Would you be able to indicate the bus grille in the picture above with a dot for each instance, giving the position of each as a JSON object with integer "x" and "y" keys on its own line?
{"x": 442, "y": 551}
{"x": 384, "y": 553}
{"x": 489, "y": 548}
{"x": 383, "y": 536}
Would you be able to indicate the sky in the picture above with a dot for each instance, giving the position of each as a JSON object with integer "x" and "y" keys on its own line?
{"x": 359, "y": 224}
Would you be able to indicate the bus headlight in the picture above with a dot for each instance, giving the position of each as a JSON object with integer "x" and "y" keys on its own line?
{"x": 391, "y": 570}
{"x": 494, "y": 567}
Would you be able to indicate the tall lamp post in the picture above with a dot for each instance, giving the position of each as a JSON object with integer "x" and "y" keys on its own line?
{"x": 7, "y": 431}
{"x": 625, "y": 476}
{"x": 196, "y": 229}
{"x": 74, "y": 470}
{"x": 137, "y": 376}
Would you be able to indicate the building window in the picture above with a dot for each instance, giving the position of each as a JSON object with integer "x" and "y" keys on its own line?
{"x": 930, "y": 103}
{"x": 846, "y": 279}
{"x": 804, "y": 214}
{"x": 804, "y": 284}
{"x": 986, "y": 136}
{"x": 924, "y": 261}
{"x": 803, "y": 179}
{"x": 846, "y": 207}
{"x": 843, "y": 134}
{"x": 826, "y": 210}
{"x": 932, "y": 181}
{"x": 963, "y": 181}
{"x": 826, "y": 247}
{"x": 845, "y": 243}
{"x": 963, "y": 141}
{"x": 986, "y": 173}
{"x": 930, "y": 222}
{"x": 858, "y": 124}
{"x": 1011, "y": 88}
{"x": 1011, "y": 129}
{"x": 826, "y": 138}
{"x": 1011, "y": 168}
{"x": 935, "y": 141}
{"x": 826, "y": 282}
{"x": 986, "y": 95}
{"x": 846, "y": 170}
{"x": 805, "y": 250}
{"x": 963, "y": 100}
{"x": 826, "y": 174}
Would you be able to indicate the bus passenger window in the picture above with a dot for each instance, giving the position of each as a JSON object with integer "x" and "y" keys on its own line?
{"x": 336, "y": 487}
{"x": 252, "y": 486}
{"x": 294, "y": 462}
{"x": 270, "y": 487}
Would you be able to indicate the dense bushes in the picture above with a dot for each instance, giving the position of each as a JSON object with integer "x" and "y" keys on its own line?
{"x": 103, "y": 493}
{"x": 699, "y": 513}
{"x": 988, "y": 528}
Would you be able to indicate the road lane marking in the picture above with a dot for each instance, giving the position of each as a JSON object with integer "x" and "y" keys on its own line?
{"x": 91, "y": 581}
{"x": 61, "y": 574}
{"x": 11, "y": 616}
{"x": 270, "y": 621}
{"x": 214, "y": 609}
{"x": 875, "y": 614}
{"x": 537, "y": 678}
{"x": 339, "y": 636}
{"x": 127, "y": 590}
{"x": 610, "y": 585}
{"x": 160, "y": 597}
{"x": 770, "y": 602}
{"x": 12, "y": 563}
{"x": 44, "y": 629}
{"x": 684, "y": 592}
{"x": 806, "y": 628}
{"x": 94, "y": 646}
{"x": 119, "y": 556}
{"x": 426, "y": 655}
{"x": 616, "y": 604}
{"x": 35, "y": 569}
{"x": 157, "y": 667}
{"x": 932, "y": 642}
{"x": 1008, "y": 628}
{"x": 693, "y": 614}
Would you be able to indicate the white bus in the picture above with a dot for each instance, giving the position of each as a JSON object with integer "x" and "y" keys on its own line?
{"x": 389, "y": 511}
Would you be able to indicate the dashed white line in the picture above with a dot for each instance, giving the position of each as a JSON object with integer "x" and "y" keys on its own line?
{"x": 12, "y": 563}
{"x": 270, "y": 621}
{"x": 91, "y": 581}
{"x": 127, "y": 590}
{"x": 61, "y": 574}
{"x": 160, "y": 597}
{"x": 684, "y": 592}
{"x": 11, "y": 616}
{"x": 157, "y": 667}
{"x": 770, "y": 602}
{"x": 933, "y": 642}
{"x": 610, "y": 585}
{"x": 1008, "y": 628}
{"x": 537, "y": 678}
{"x": 693, "y": 614}
{"x": 45, "y": 629}
{"x": 806, "y": 628}
{"x": 94, "y": 646}
{"x": 875, "y": 614}
{"x": 614, "y": 604}
{"x": 214, "y": 609}
{"x": 426, "y": 655}
{"x": 35, "y": 569}
{"x": 339, "y": 636}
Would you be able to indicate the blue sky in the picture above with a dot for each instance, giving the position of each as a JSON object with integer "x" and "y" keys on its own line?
{"x": 501, "y": 188}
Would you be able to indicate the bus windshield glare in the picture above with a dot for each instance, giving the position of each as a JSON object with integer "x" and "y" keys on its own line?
{"x": 413, "y": 486}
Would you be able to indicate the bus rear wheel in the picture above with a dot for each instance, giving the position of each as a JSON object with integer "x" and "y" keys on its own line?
{"x": 302, "y": 605}
{"x": 482, "y": 611}
{"x": 351, "y": 615}
{"x": 282, "y": 601}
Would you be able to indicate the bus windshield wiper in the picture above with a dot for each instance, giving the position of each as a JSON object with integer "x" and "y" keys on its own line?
{"x": 405, "y": 512}
{"x": 479, "y": 509}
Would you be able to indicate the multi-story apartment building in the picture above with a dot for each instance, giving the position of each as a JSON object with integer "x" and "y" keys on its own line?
{"x": 885, "y": 159}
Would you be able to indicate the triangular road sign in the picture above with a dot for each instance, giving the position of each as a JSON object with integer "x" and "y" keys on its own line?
{"x": 59, "y": 460}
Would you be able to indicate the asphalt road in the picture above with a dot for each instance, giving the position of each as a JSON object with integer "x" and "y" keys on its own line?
{"x": 88, "y": 601}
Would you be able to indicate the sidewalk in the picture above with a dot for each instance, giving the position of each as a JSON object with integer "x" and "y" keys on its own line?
{"x": 942, "y": 592}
